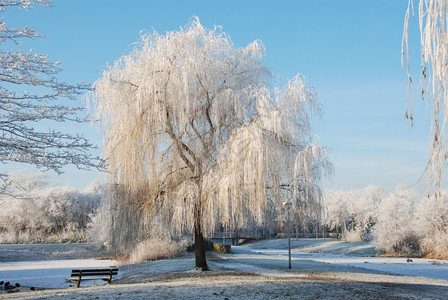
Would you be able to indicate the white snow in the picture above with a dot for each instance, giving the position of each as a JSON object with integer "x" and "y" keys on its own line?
{"x": 260, "y": 269}
{"x": 48, "y": 273}
{"x": 437, "y": 269}
{"x": 430, "y": 268}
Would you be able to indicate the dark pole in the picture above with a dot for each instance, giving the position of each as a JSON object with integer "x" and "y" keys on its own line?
{"x": 289, "y": 240}
{"x": 287, "y": 205}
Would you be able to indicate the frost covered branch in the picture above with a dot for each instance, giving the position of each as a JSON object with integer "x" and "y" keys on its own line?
{"x": 30, "y": 93}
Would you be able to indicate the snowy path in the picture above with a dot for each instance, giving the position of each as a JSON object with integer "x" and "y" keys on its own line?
{"x": 430, "y": 268}
{"x": 244, "y": 267}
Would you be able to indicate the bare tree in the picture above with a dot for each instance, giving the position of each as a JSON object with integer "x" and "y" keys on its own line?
{"x": 195, "y": 135}
{"x": 28, "y": 93}
{"x": 434, "y": 77}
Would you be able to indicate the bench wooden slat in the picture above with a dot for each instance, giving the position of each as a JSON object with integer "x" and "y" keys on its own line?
{"x": 93, "y": 272}
{"x": 99, "y": 270}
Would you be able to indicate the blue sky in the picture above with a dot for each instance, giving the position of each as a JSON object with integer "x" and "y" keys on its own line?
{"x": 350, "y": 51}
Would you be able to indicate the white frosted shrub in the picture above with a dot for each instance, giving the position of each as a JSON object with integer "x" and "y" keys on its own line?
{"x": 157, "y": 248}
{"x": 355, "y": 211}
{"x": 160, "y": 244}
{"x": 436, "y": 245}
{"x": 432, "y": 220}
{"x": 395, "y": 232}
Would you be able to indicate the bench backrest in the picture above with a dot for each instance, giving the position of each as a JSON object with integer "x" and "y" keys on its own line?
{"x": 94, "y": 272}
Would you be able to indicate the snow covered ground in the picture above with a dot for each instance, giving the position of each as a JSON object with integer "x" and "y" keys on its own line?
{"x": 342, "y": 255}
{"x": 47, "y": 274}
{"x": 47, "y": 266}
{"x": 321, "y": 268}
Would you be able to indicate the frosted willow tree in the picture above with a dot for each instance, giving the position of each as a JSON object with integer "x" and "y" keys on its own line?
{"x": 193, "y": 134}
{"x": 434, "y": 74}
{"x": 29, "y": 90}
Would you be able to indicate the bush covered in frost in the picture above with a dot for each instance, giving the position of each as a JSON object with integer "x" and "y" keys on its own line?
{"x": 354, "y": 213}
{"x": 400, "y": 223}
{"x": 395, "y": 231}
{"x": 34, "y": 212}
{"x": 156, "y": 248}
{"x": 432, "y": 225}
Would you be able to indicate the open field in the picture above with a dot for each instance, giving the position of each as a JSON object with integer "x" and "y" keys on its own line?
{"x": 326, "y": 269}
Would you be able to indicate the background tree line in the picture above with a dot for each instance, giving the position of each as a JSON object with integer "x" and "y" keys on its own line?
{"x": 399, "y": 223}
{"x": 32, "y": 211}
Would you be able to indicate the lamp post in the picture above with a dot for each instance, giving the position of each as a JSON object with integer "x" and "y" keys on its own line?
{"x": 287, "y": 206}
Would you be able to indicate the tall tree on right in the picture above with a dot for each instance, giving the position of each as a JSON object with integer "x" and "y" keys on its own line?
{"x": 433, "y": 16}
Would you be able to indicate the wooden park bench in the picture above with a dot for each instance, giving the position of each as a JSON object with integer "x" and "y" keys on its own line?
{"x": 104, "y": 274}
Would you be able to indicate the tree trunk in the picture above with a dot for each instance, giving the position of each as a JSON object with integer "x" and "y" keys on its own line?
{"x": 199, "y": 248}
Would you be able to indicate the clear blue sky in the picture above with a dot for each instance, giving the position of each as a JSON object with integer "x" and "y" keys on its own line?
{"x": 350, "y": 51}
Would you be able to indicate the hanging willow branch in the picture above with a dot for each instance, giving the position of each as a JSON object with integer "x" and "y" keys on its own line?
{"x": 434, "y": 55}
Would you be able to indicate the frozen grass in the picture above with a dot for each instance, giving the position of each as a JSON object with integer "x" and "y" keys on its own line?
{"x": 74, "y": 236}
{"x": 156, "y": 248}
{"x": 234, "y": 286}
{"x": 321, "y": 268}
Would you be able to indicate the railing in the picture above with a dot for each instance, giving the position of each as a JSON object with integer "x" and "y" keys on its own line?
{"x": 233, "y": 237}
